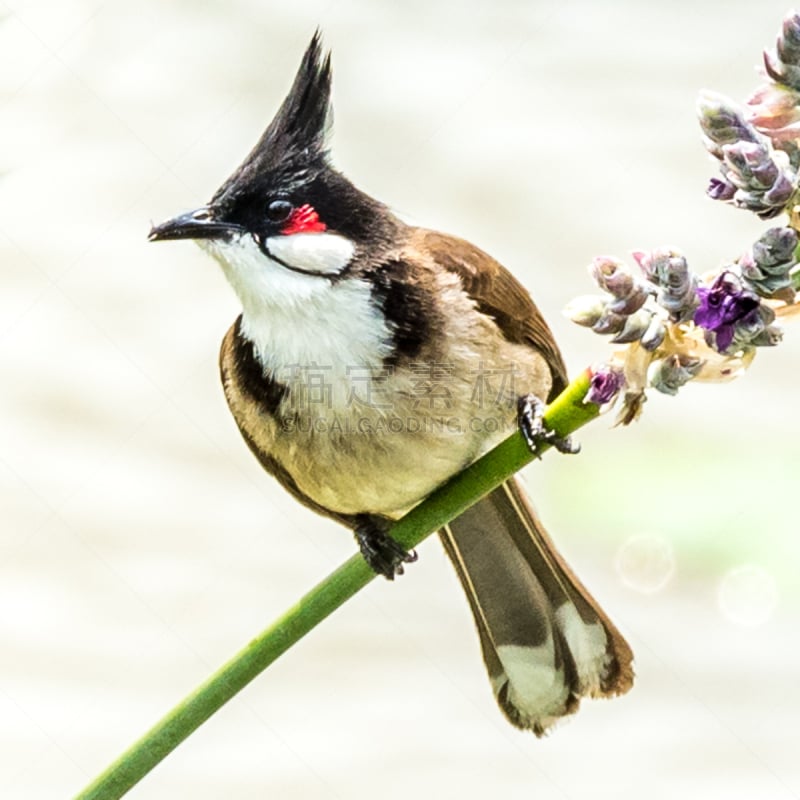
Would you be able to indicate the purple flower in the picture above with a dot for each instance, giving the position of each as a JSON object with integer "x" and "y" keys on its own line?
{"x": 723, "y": 306}
{"x": 604, "y": 385}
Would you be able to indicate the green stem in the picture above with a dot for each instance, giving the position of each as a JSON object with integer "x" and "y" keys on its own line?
{"x": 565, "y": 415}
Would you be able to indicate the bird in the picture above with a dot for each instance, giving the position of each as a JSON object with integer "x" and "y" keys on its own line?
{"x": 372, "y": 361}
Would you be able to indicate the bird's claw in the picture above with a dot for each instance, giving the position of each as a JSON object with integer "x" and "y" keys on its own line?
{"x": 383, "y": 554}
{"x": 530, "y": 416}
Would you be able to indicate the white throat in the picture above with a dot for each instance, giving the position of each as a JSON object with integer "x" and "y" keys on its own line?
{"x": 296, "y": 319}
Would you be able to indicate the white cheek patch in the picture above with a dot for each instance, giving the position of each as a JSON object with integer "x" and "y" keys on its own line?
{"x": 320, "y": 253}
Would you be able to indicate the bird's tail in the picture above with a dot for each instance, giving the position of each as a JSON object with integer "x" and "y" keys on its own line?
{"x": 546, "y": 642}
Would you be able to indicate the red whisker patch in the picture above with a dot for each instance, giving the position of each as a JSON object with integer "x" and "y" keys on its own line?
{"x": 303, "y": 220}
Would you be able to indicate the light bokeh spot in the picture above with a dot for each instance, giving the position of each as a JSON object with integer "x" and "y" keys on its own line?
{"x": 646, "y": 562}
{"x": 748, "y": 595}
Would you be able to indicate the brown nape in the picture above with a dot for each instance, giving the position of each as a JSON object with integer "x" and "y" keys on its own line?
{"x": 498, "y": 294}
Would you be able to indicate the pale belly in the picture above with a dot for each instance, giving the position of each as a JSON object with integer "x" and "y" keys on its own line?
{"x": 363, "y": 462}
{"x": 378, "y": 440}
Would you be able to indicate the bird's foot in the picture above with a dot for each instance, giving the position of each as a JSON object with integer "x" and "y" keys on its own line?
{"x": 530, "y": 416}
{"x": 382, "y": 553}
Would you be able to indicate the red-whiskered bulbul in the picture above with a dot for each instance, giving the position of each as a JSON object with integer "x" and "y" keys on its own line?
{"x": 371, "y": 362}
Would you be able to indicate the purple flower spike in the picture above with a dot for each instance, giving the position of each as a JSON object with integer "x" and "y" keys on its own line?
{"x": 724, "y": 305}
{"x": 604, "y": 385}
{"x": 756, "y": 174}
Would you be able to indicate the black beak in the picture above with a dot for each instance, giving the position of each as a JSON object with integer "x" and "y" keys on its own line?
{"x": 197, "y": 224}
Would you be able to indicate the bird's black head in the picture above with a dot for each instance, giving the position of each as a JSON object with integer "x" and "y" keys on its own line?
{"x": 286, "y": 185}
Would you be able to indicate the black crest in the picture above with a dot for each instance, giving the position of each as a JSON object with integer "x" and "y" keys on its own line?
{"x": 292, "y": 150}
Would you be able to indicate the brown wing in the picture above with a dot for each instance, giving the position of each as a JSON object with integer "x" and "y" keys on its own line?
{"x": 498, "y": 294}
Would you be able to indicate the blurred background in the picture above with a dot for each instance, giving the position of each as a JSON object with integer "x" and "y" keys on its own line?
{"x": 141, "y": 545}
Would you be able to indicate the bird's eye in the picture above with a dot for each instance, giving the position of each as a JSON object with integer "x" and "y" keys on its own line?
{"x": 279, "y": 210}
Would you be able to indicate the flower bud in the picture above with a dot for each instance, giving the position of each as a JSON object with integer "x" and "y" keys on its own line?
{"x": 783, "y": 65}
{"x": 605, "y": 384}
{"x": 776, "y": 246}
{"x": 654, "y": 335}
{"x": 611, "y": 275}
{"x": 769, "y": 337}
{"x": 756, "y": 330}
{"x": 632, "y": 302}
{"x": 585, "y": 310}
{"x": 764, "y": 181}
{"x": 668, "y": 374}
{"x": 774, "y": 111}
{"x": 723, "y": 122}
{"x": 677, "y": 292}
{"x": 609, "y": 323}
{"x": 634, "y": 328}
{"x": 767, "y": 268}
{"x": 778, "y": 195}
{"x": 720, "y": 189}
